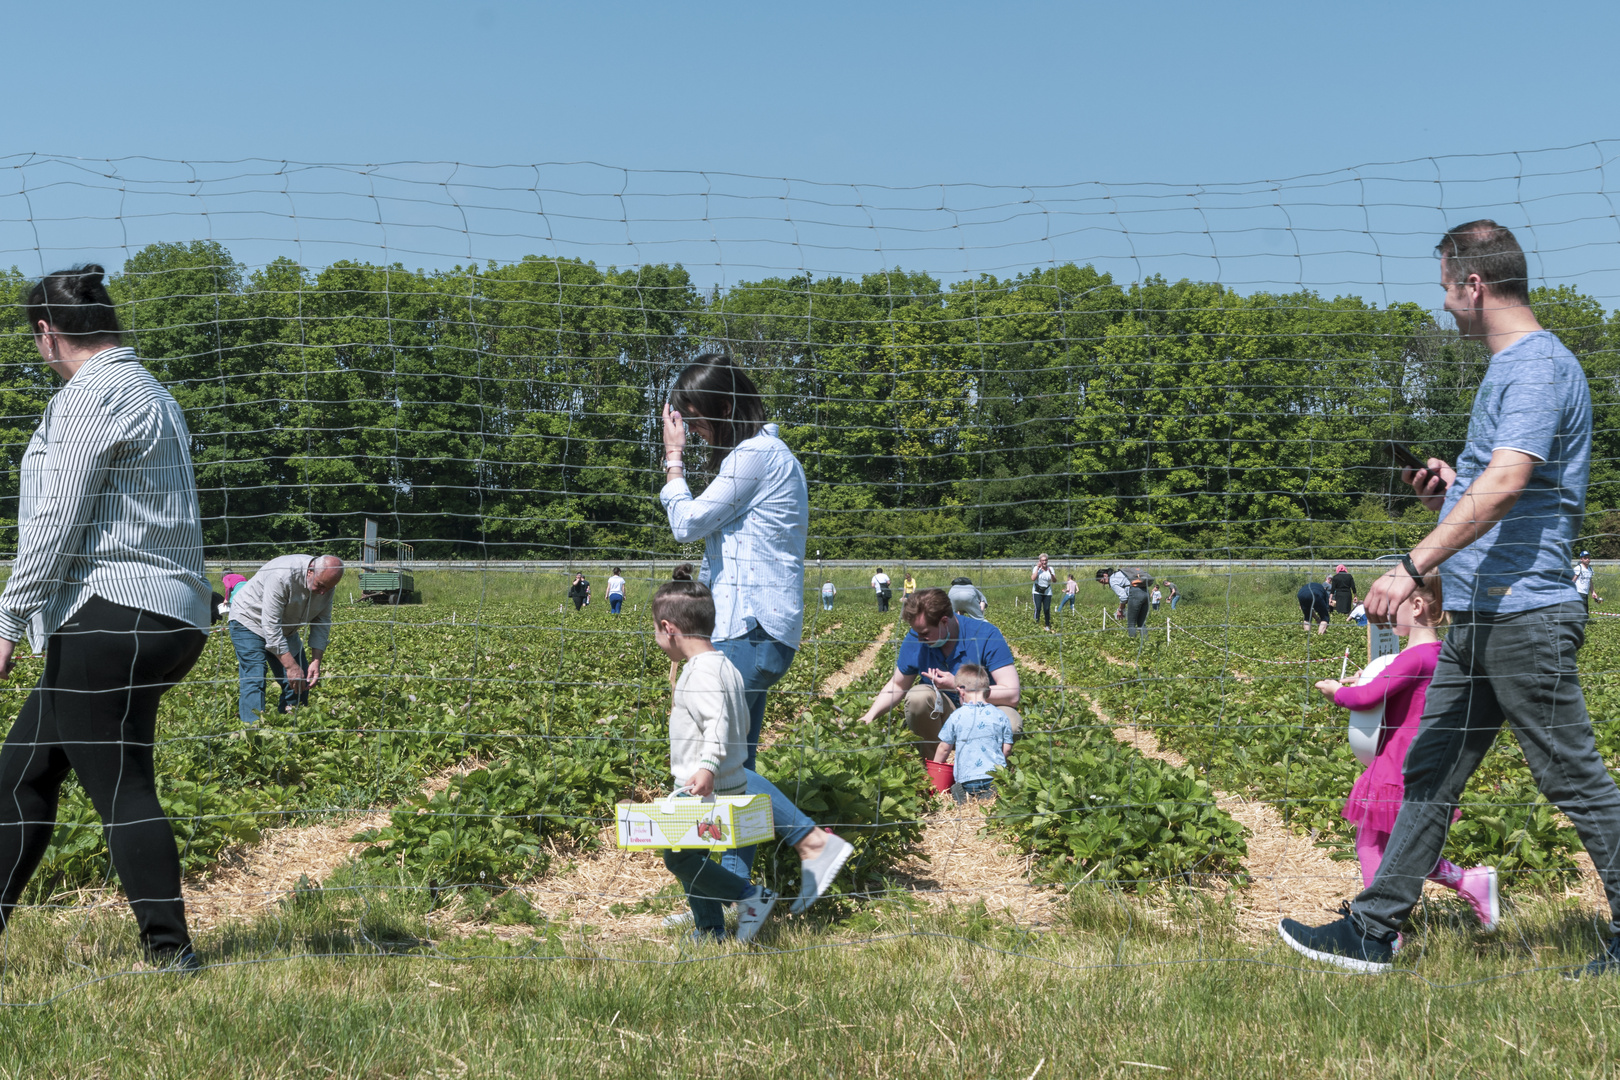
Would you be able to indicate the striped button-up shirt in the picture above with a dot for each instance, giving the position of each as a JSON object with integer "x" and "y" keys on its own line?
{"x": 108, "y": 504}
{"x": 753, "y": 518}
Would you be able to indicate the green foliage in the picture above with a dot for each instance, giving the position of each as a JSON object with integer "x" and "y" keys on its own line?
{"x": 865, "y": 782}
{"x": 486, "y": 825}
{"x": 1091, "y": 808}
{"x": 511, "y": 409}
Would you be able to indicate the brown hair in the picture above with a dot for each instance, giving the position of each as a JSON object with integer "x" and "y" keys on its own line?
{"x": 1485, "y": 248}
{"x": 933, "y": 603}
{"x": 715, "y": 389}
{"x": 682, "y": 572}
{"x": 972, "y": 678}
{"x": 1432, "y": 596}
{"x": 687, "y": 604}
{"x": 75, "y": 302}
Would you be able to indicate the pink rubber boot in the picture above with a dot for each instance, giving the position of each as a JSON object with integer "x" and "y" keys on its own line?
{"x": 1478, "y": 887}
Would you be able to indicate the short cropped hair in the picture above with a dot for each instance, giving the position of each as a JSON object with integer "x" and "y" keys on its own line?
{"x": 1485, "y": 248}
{"x": 972, "y": 678}
{"x": 687, "y": 604}
{"x": 933, "y": 603}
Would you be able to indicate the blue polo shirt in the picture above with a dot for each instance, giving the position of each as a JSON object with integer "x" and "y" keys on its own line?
{"x": 976, "y": 642}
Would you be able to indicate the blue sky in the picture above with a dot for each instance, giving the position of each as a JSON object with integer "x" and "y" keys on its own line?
{"x": 860, "y": 98}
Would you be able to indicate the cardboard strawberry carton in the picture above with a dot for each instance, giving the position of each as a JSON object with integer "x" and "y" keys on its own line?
{"x": 677, "y": 822}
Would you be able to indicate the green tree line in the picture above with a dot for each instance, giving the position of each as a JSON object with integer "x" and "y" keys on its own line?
{"x": 508, "y": 411}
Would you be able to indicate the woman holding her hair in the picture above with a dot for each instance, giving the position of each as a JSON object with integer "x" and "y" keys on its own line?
{"x": 753, "y": 519}
{"x": 109, "y": 582}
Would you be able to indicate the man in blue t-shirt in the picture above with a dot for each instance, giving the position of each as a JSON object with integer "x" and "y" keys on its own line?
{"x": 937, "y": 646}
{"x": 1508, "y": 514}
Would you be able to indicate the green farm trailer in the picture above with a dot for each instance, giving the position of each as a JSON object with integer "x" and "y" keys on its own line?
{"x": 388, "y": 586}
{"x": 381, "y": 585}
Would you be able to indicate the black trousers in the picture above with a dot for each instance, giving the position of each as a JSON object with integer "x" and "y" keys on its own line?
{"x": 1043, "y": 603}
{"x": 95, "y": 712}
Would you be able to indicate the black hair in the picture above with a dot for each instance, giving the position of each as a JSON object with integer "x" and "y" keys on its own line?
{"x": 75, "y": 302}
{"x": 682, "y": 572}
{"x": 687, "y": 604}
{"x": 1485, "y": 248}
{"x": 615, "y": 569}
{"x": 961, "y": 581}
{"x": 715, "y": 389}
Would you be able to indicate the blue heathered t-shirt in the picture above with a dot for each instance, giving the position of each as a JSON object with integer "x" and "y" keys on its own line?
{"x": 976, "y": 733}
{"x": 1534, "y": 398}
{"x": 976, "y": 642}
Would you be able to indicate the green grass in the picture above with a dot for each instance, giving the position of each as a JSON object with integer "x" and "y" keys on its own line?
{"x": 952, "y": 995}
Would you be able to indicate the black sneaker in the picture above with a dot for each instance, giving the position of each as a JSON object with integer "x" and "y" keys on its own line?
{"x": 1340, "y": 943}
{"x": 181, "y": 961}
{"x": 1606, "y": 962}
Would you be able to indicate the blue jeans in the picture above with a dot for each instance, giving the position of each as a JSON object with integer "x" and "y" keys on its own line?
{"x": 978, "y": 787}
{"x": 708, "y": 885}
{"x": 791, "y": 824}
{"x": 791, "y": 827}
{"x": 251, "y": 656}
{"x": 1517, "y": 669}
{"x": 826, "y": 602}
{"x": 615, "y": 602}
{"x": 763, "y": 661}
{"x": 1175, "y": 600}
{"x": 1066, "y": 602}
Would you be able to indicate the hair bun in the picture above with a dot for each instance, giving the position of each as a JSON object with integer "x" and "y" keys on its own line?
{"x": 88, "y": 285}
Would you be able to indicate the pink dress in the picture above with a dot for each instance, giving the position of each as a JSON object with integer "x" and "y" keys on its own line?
{"x": 1375, "y": 798}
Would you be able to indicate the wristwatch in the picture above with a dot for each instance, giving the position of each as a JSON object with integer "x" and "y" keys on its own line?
{"x": 1411, "y": 568}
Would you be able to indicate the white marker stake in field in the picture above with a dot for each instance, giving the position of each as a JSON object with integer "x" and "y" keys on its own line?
{"x": 1381, "y": 641}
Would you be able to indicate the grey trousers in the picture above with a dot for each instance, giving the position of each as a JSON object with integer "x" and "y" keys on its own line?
{"x": 1519, "y": 668}
{"x": 1136, "y": 610}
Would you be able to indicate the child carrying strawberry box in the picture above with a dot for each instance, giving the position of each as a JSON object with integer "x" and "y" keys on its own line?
{"x": 708, "y": 744}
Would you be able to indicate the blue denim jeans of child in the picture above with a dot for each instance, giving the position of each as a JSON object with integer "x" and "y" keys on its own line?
{"x": 251, "y": 656}
{"x": 615, "y": 602}
{"x": 707, "y": 885}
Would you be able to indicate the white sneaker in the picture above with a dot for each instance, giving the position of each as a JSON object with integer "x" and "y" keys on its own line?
{"x": 752, "y": 911}
{"x": 682, "y": 920}
{"x": 817, "y": 874}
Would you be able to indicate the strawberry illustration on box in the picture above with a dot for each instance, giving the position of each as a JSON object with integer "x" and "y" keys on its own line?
{"x": 679, "y": 821}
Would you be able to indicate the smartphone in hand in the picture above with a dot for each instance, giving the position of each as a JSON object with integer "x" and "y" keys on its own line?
{"x": 1404, "y": 458}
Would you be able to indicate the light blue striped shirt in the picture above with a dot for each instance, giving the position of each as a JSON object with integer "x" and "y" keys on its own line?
{"x": 108, "y": 504}
{"x": 754, "y": 519}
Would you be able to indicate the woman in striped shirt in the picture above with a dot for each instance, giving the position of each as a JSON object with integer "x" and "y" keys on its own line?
{"x": 109, "y": 582}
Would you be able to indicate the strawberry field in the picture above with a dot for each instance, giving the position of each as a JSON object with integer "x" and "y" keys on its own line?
{"x": 535, "y": 720}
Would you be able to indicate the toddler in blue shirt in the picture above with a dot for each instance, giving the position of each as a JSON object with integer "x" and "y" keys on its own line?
{"x": 978, "y": 731}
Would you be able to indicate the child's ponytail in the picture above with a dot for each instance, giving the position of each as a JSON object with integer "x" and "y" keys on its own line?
{"x": 1433, "y": 596}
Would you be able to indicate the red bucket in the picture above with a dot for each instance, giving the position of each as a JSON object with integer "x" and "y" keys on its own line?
{"x": 942, "y": 774}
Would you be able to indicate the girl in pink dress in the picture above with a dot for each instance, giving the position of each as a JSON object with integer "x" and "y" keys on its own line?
{"x": 1375, "y": 798}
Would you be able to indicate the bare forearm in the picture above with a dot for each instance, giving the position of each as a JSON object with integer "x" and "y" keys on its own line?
{"x": 1481, "y": 508}
{"x": 885, "y": 700}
